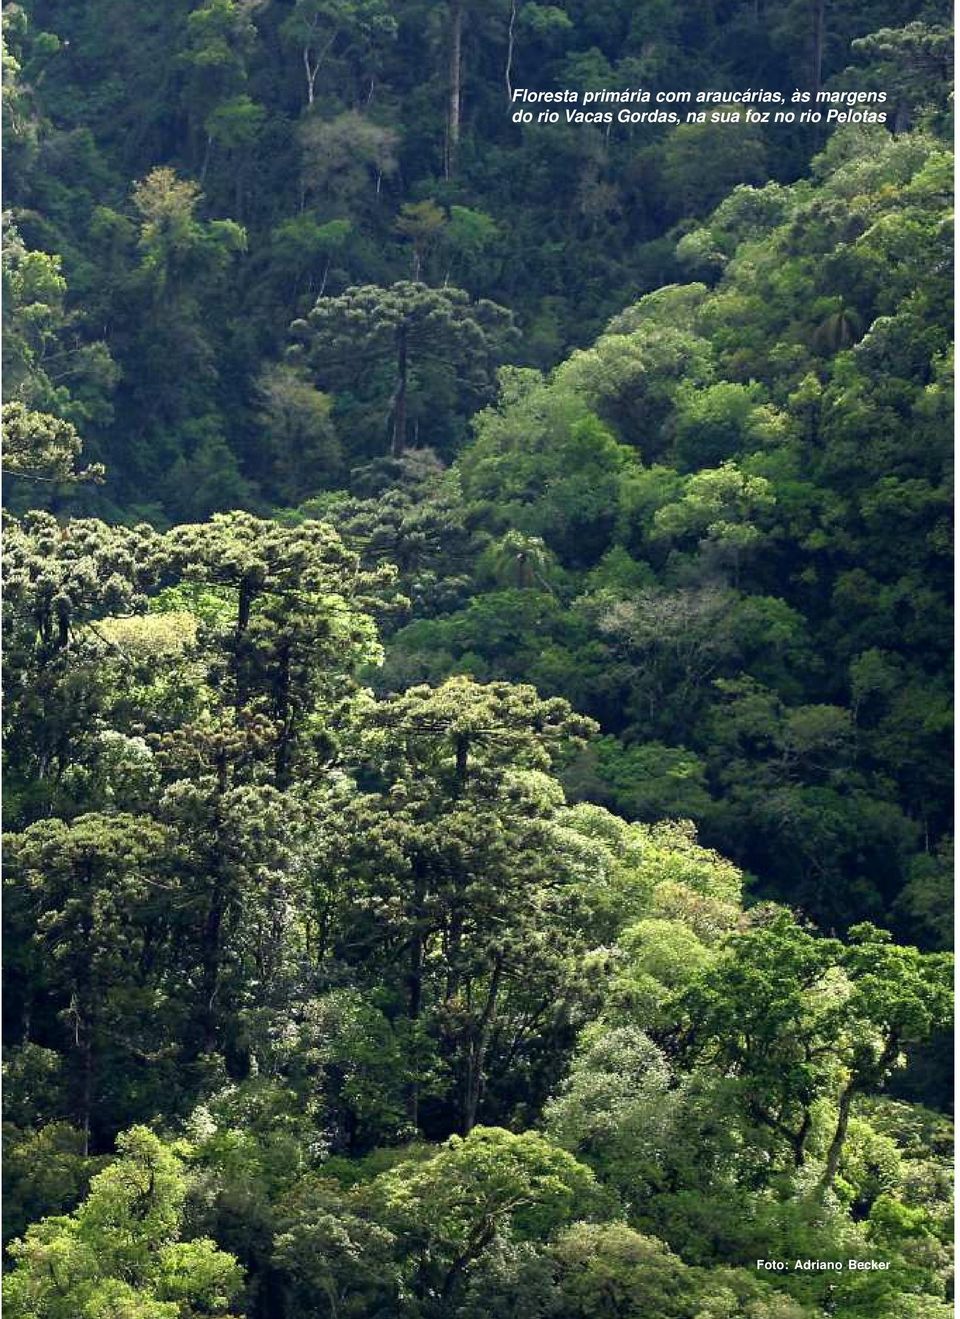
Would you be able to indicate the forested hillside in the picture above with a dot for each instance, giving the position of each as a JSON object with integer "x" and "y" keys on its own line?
{"x": 476, "y": 665}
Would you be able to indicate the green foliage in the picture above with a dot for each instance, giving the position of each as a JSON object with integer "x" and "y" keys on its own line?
{"x": 40, "y": 447}
{"x": 335, "y": 985}
{"x": 419, "y": 332}
{"x": 474, "y": 1192}
{"x": 47, "y": 1170}
{"x": 301, "y": 450}
{"x": 718, "y": 483}
{"x": 121, "y": 1252}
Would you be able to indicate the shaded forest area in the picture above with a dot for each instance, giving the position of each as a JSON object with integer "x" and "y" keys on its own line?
{"x": 477, "y": 647}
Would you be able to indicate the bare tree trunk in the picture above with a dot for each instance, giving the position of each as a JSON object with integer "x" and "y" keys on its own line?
{"x": 508, "y": 68}
{"x": 313, "y": 66}
{"x": 86, "y": 1097}
{"x": 311, "y": 71}
{"x": 456, "y": 63}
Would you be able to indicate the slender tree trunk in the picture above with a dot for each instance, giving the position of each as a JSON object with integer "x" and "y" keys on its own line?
{"x": 478, "y": 1242}
{"x": 839, "y": 1137}
{"x": 312, "y": 67}
{"x": 477, "y": 1051}
{"x": 311, "y": 71}
{"x": 86, "y": 1096}
{"x": 856, "y": 1083}
{"x": 400, "y": 396}
{"x": 508, "y": 67}
{"x": 800, "y": 1141}
{"x": 454, "y": 943}
{"x": 211, "y": 938}
{"x": 211, "y": 958}
{"x": 244, "y": 605}
{"x": 83, "y": 1005}
{"x": 462, "y": 751}
{"x": 456, "y": 71}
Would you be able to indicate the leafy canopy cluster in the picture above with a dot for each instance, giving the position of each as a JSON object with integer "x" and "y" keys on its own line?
{"x": 183, "y": 185}
{"x": 326, "y": 1003}
{"x": 515, "y": 606}
{"x": 722, "y": 531}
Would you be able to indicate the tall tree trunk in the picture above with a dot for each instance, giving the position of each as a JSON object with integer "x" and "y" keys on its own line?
{"x": 461, "y": 751}
{"x": 311, "y": 70}
{"x": 211, "y": 937}
{"x": 455, "y": 92}
{"x": 86, "y": 1092}
{"x": 454, "y": 944}
{"x": 858, "y": 1082}
{"x": 799, "y": 1141}
{"x": 839, "y": 1137}
{"x": 477, "y": 1051}
{"x": 399, "y": 442}
{"x": 508, "y": 67}
{"x": 478, "y": 1242}
{"x": 212, "y": 941}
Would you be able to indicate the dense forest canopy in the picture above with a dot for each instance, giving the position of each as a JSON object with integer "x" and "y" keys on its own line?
{"x": 477, "y": 643}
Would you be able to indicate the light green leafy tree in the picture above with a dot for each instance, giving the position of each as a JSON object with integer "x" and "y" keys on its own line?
{"x": 121, "y": 1255}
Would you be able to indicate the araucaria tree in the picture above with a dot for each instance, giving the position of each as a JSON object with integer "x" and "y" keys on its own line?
{"x": 430, "y": 340}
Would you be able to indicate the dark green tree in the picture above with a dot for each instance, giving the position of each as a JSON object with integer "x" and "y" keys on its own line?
{"x": 410, "y": 327}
